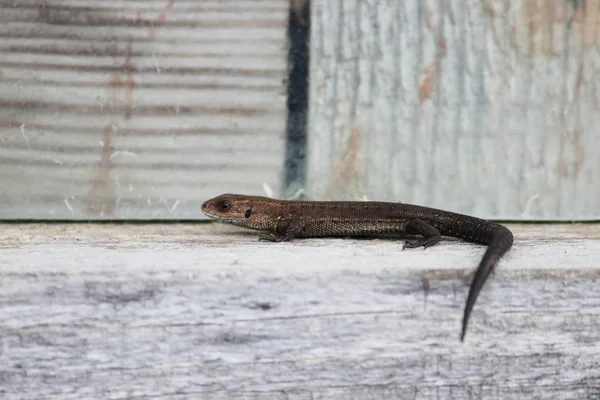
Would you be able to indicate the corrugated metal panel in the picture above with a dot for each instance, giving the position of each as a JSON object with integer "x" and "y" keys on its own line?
{"x": 487, "y": 108}
{"x": 138, "y": 109}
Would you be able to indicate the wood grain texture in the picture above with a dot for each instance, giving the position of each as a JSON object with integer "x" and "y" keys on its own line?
{"x": 487, "y": 108}
{"x": 138, "y": 109}
{"x": 206, "y": 311}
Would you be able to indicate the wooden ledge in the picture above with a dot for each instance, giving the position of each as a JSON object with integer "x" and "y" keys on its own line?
{"x": 204, "y": 310}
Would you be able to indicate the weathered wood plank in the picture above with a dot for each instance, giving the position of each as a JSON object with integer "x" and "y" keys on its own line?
{"x": 206, "y": 311}
{"x": 138, "y": 109}
{"x": 425, "y": 101}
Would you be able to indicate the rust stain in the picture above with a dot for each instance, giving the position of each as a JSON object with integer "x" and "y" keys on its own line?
{"x": 493, "y": 13}
{"x": 543, "y": 19}
{"x": 162, "y": 17}
{"x": 128, "y": 83}
{"x": 115, "y": 81}
{"x": 431, "y": 72}
{"x": 347, "y": 171}
{"x": 141, "y": 110}
{"x": 101, "y": 199}
{"x": 428, "y": 83}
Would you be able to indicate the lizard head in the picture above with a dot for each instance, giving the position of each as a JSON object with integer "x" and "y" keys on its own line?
{"x": 237, "y": 209}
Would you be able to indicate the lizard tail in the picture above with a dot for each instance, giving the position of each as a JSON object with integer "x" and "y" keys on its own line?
{"x": 501, "y": 242}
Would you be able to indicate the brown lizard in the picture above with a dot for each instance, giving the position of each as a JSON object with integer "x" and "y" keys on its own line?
{"x": 286, "y": 220}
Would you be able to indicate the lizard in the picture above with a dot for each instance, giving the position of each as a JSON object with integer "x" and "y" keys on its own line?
{"x": 285, "y": 220}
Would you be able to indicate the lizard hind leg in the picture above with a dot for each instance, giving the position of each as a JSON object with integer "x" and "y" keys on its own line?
{"x": 430, "y": 234}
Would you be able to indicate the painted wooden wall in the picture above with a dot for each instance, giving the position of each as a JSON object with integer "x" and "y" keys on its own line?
{"x": 138, "y": 109}
{"x": 490, "y": 108}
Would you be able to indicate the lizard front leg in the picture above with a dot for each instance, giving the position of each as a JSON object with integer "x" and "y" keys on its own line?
{"x": 285, "y": 230}
{"x": 430, "y": 234}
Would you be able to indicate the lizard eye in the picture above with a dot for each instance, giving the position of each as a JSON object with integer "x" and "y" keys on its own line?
{"x": 224, "y": 206}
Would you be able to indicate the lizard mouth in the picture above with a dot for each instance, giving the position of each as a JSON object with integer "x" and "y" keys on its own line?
{"x": 210, "y": 215}
{"x": 226, "y": 220}
{"x": 231, "y": 221}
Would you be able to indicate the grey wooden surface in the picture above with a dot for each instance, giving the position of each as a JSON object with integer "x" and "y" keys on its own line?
{"x": 137, "y": 109}
{"x": 483, "y": 107}
{"x": 206, "y": 312}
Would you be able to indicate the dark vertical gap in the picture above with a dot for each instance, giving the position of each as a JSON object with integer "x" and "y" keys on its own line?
{"x": 297, "y": 97}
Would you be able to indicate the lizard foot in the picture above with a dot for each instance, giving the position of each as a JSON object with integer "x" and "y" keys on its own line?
{"x": 411, "y": 244}
{"x": 269, "y": 237}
